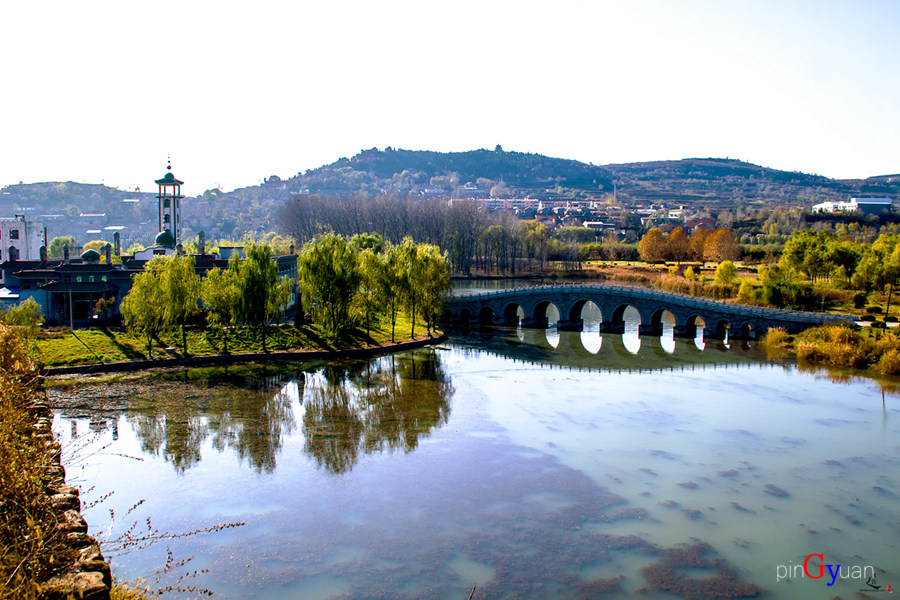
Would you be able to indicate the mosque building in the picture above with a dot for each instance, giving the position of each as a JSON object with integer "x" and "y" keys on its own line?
{"x": 68, "y": 289}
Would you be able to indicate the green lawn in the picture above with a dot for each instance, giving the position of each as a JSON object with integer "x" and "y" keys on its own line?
{"x": 90, "y": 346}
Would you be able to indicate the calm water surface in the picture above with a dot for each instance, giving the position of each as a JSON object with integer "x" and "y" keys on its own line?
{"x": 530, "y": 464}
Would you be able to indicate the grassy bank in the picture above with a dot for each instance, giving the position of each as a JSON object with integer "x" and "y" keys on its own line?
{"x": 31, "y": 548}
{"x": 840, "y": 346}
{"x": 64, "y": 347}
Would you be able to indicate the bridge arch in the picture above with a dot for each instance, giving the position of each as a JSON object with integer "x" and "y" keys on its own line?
{"x": 465, "y": 315}
{"x": 745, "y": 332}
{"x": 576, "y": 311}
{"x": 545, "y": 312}
{"x": 620, "y": 314}
{"x": 662, "y": 317}
{"x": 721, "y": 330}
{"x": 486, "y": 316}
{"x": 513, "y": 313}
{"x": 694, "y": 325}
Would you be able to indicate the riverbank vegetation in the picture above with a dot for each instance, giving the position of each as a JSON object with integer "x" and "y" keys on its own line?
{"x": 839, "y": 346}
{"x": 31, "y": 548}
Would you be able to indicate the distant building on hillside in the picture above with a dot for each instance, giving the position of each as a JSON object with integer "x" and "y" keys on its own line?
{"x": 22, "y": 236}
{"x": 21, "y": 239}
{"x": 866, "y": 206}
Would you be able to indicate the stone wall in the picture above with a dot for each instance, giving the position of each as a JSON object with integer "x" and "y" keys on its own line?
{"x": 88, "y": 577}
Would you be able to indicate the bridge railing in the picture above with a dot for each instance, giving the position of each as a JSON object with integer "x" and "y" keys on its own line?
{"x": 736, "y": 309}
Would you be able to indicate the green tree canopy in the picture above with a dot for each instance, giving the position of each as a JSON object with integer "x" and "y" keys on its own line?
{"x": 726, "y": 272}
{"x": 220, "y": 296}
{"x": 258, "y": 286}
{"x": 181, "y": 293}
{"x": 55, "y": 249}
{"x": 143, "y": 309}
{"x": 329, "y": 277}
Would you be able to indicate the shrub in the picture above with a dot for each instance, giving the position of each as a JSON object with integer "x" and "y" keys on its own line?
{"x": 891, "y": 319}
{"x": 810, "y": 352}
{"x": 776, "y": 338}
{"x": 859, "y": 300}
{"x": 726, "y": 272}
{"x": 747, "y": 292}
{"x": 889, "y": 363}
{"x": 874, "y": 310}
{"x": 866, "y": 318}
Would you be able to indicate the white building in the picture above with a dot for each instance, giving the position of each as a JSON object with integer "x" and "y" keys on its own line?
{"x": 26, "y": 237}
{"x": 868, "y": 206}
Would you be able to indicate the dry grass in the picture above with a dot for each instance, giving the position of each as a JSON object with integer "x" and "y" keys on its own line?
{"x": 31, "y": 549}
{"x": 840, "y": 346}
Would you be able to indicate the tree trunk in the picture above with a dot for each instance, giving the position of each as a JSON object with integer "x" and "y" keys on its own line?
{"x": 887, "y": 310}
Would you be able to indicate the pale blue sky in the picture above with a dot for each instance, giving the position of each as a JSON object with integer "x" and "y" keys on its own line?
{"x": 236, "y": 91}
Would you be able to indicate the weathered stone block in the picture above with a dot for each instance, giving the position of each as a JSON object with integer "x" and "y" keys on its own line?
{"x": 85, "y": 586}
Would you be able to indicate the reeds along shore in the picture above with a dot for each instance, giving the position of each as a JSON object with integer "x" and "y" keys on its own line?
{"x": 840, "y": 346}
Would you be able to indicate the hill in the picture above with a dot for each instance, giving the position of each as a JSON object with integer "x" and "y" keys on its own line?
{"x": 726, "y": 183}
{"x": 701, "y": 183}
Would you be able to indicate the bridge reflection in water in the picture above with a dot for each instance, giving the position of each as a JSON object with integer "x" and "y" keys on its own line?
{"x": 595, "y": 351}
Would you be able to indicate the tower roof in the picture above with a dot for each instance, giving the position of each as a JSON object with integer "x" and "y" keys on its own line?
{"x": 169, "y": 179}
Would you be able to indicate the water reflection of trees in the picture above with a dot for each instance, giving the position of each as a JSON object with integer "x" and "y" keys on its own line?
{"x": 173, "y": 421}
{"x": 388, "y": 403}
{"x": 253, "y": 429}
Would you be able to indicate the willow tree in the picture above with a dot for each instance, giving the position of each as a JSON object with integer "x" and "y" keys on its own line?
{"x": 434, "y": 281}
{"x": 424, "y": 279}
{"x": 257, "y": 284}
{"x": 221, "y": 296}
{"x": 143, "y": 309}
{"x": 329, "y": 277}
{"x": 181, "y": 293}
{"x": 388, "y": 276}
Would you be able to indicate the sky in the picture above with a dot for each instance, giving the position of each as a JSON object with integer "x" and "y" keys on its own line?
{"x": 233, "y": 92}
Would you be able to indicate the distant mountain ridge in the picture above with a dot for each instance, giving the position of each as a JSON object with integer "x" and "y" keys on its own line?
{"x": 713, "y": 183}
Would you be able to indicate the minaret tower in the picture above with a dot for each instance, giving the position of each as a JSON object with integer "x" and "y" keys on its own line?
{"x": 169, "y": 198}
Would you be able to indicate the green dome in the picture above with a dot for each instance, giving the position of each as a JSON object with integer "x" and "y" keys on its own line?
{"x": 168, "y": 179}
{"x": 90, "y": 256}
{"x": 165, "y": 239}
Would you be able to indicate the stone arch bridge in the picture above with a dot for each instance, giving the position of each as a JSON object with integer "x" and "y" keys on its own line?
{"x": 528, "y": 306}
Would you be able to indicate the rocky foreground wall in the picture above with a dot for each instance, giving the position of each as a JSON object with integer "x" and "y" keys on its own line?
{"x": 88, "y": 577}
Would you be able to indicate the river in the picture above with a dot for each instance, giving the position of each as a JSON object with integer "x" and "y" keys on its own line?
{"x": 528, "y": 464}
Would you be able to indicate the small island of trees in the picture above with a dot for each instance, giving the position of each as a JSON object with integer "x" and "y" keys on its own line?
{"x": 345, "y": 284}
